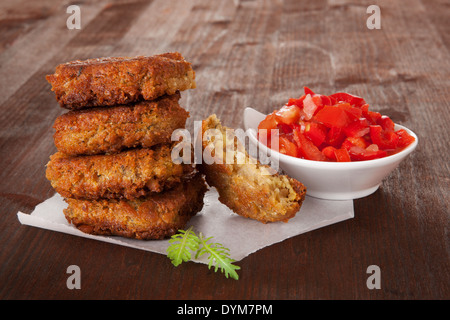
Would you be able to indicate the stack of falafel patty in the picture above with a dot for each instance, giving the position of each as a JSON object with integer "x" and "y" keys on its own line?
{"x": 114, "y": 166}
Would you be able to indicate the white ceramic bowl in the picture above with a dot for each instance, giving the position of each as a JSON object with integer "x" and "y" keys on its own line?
{"x": 332, "y": 180}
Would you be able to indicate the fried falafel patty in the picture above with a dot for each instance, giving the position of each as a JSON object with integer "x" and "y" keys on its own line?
{"x": 128, "y": 174}
{"x": 247, "y": 187}
{"x": 157, "y": 216}
{"x": 112, "y": 129}
{"x": 111, "y": 81}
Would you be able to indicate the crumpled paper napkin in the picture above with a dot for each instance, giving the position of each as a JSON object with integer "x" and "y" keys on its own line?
{"x": 241, "y": 235}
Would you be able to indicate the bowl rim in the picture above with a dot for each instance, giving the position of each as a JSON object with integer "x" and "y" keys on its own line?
{"x": 334, "y": 165}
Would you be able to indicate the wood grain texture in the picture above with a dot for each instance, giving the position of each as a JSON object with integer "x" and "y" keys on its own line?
{"x": 245, "y": 53}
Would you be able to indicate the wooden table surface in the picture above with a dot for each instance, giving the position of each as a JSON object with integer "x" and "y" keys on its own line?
{"x": 245, "y": 53}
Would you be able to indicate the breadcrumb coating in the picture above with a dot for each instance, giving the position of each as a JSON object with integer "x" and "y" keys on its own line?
{"x": 156, "y": 216}
{"x": 122, "y": 80}
{"x": 248, "y": 187}
{"x": 113, "y": 129}
{"x": 129, "y": 174}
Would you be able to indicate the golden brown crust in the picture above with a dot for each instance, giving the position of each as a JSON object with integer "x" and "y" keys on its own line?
{"x": 111, "y": 81}
{"x": 249, "y": 189}
{"x": 128, "y": 174}
{"x": 157, "y": 216}
{"x": 112, "y": 129}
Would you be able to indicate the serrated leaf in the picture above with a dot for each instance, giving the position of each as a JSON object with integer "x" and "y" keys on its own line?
{"x": 218, "y": 257}
{"x": 181, "y": 246}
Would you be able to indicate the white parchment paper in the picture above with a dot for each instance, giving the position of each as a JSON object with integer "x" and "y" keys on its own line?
{"x": 241, "y": 235}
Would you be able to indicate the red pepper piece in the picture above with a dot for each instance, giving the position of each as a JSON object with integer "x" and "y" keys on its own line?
{"x": 333, "y": 116}
{"x": 316, "y": 133}
{"x": 385, "y": 140}
{"x": 386, "y": 123}
{"x": 371, "y": 116}
{"x": 357, "y": 141}
{"x": 347, "y": 97}
{"x": 360, "y": 154}
{"x": 306, "y": 147}
{"x": 358, "y": 128}
{"x": 405, "y": 139}
{"x": 352, "y": 112}
{"x": 308, "y": 91}
{"x": 342, "y": 155}
{"x": 288, "y": 114}
{"x": 335, "y": 137}
{"x": 298, "y": 102}
{"x": 270, "y": 122}
{"x": 329, "y": 153}
{"x": 287, "y": 147}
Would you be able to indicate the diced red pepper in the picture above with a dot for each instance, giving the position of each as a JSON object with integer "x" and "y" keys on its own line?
{"x": 288, "y": 114}
{"x": 342, "y": 155}
{"x": 347, "y": 97}
{"x": 338, "y": 127}
{"x": 308, "y": 91}
{"x": 326, "y": 101}
{"x": 384, "y": 139}
{"x": 335, "y": 137}
{"x": 333, "y": 116}
{"x": 287, "y": 147}
{"x": 309, "y": 107}
{"x": 386, "y": 123}
{"x": 352, "y": 112}
{"x": 405, "y": 139}
{"x": 306, "y": 148}
{"x": 270, "y": 122}
{"x": 316, "y": 133}
{"x": 361, "y": 154}
{"x": 357, "y": 141}
{"x": 347, "y": 144}
{"x": 357, "y": 128}
{"x": 298, "y": 102}
{"x": 329, "y": 153}
{"x": 339, "y": 155}
{"x": 284, "y": 128}
{"x": 371, "y": 116}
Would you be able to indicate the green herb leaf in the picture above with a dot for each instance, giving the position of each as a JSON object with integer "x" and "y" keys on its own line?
{"x": 184, "y": 243}
{"x": 181, "y": 246}
{"x": 218, "y": 257}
